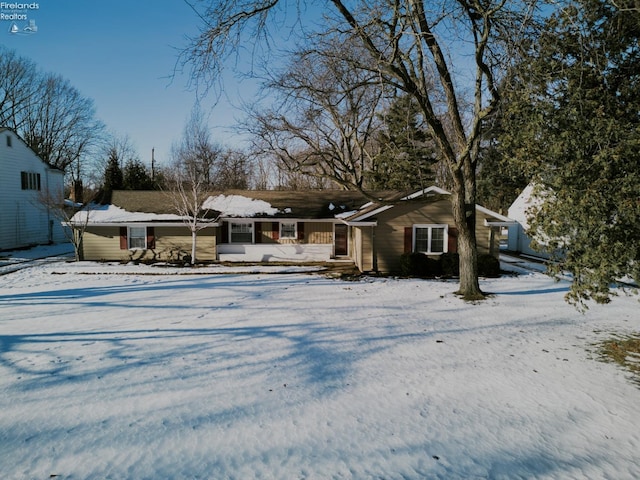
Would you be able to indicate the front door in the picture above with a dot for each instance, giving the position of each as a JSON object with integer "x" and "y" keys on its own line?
{"x": 341, "y": 240}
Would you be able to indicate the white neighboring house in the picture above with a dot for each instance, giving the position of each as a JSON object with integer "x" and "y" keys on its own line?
{"x": 522, "y": 207}
{"x": 24, "y": 180}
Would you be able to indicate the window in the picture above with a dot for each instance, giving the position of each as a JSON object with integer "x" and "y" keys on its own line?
{"x": 241, "y": 233}
{"x": 430, "y": 239}
{"x": 288, "y": 230}
{"x": 137, "y": 238}
{"x": 30, "y": 180}
{"x": 8, "y": 140}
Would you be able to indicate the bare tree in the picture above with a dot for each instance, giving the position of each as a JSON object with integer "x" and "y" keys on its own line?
{"x": 50, "y": 115}
{"x": 61, "y": 127}
{"x": 409, "y": 45}
{"x": 197, "y": 150}
{"x": 187, "y": 191}
{"x": 232, "y": 171}
{"x": 324, "y": 123}
{"x": 188, "y": 181}
{"x": 74, "y": 217}
{"x": 18, "y": 86}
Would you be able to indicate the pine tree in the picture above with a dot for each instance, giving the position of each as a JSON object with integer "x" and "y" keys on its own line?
{"x": 136, "y": 176}
{"x": 406, "y": 157}
{"x": 574, "y": 124}
{"x": 113, "y": 177}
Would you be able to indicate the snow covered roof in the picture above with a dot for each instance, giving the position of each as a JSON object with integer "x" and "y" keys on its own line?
{"x": 99, "y": 214}
{"x": 239, "y": 206}
{"x": 523, "y": 204}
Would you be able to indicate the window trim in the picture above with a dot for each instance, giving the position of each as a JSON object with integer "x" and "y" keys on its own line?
{"x": 294, "y": 236}
{"x": 430, "y": 227}
{"x": 251, "y": 227}
{"x": 130, "y": 237}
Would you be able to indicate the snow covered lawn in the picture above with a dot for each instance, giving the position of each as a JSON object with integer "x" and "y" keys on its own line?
{"x": 291, "y": 376}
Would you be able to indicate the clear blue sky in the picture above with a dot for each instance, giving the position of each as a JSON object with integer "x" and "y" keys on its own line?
{"x": 120, "y": 53}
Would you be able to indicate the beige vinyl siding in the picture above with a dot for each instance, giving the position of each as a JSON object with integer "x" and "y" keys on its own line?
{"x": 175, "y": 242}
{"x": 389, "y": 239}
{"x": 488, "y": 242}
{"x": 103, "y": 243}
{"x": 314, "y": 233}
{"x": 171, "y": 243}
{"x": 318, "y": 233}
{"x": 389, "y": 235}
{"x": 362, "y": 251}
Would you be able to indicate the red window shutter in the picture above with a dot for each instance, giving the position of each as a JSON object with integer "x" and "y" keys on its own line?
{"x": 300, "y": 227}
{"x": 151, "y": 238}
{"x": 452, "y": 244}
{"x": 258, "y": 227}
{"x": 275, "y": 228}
{"x": 123, "y": 238}
{"x": 408, "y": 239}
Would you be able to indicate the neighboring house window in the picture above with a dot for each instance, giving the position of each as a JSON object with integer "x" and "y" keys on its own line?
{"x": 241, "y": 233}
{"x": 430, "y": 239}
{"x": 288, "y": 230}
{"x": 30, "y": 180}
{"x": 8, "y": 140}
{"x": 137, "y": 238}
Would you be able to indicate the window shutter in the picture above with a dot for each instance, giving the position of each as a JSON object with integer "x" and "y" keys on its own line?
{"x": 408, "y": 239}
{"x": 275, "y": 228}
{"x": 151, "y": 238}
{"x": 300, "y": 228}
{"x": 452, "y": 244}
{"x": 224, "y": 233}
{"x": 123, "y": 238}
{"x": 258, "y": 232}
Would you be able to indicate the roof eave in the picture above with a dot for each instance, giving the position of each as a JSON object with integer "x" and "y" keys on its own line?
{"x": 139, "y": 222}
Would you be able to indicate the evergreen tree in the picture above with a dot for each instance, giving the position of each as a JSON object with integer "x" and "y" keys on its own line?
{"x": 500, "y": 180}
{"x": 574, "y": 124}
{"x": 406, "y": 157}
{"x": 136, "y": 176}
{"x": 113, "y": 177}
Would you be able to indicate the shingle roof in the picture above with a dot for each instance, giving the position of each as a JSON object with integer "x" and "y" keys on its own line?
{"x": 315, "y": 204}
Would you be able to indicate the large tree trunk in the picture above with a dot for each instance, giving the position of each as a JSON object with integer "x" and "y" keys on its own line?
{"x": 464, "y": 214}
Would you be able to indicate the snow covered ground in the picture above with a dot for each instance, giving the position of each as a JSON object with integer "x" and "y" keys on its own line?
{"x": 296, "y": 375}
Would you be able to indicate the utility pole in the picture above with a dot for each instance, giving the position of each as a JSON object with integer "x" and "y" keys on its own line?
{"x": 153, "y": 160}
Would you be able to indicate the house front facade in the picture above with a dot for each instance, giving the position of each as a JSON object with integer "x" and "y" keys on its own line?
{"x": 27, "y": 183}
{"x": 421, "y": 222}
{"x": 284, "y": 226}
